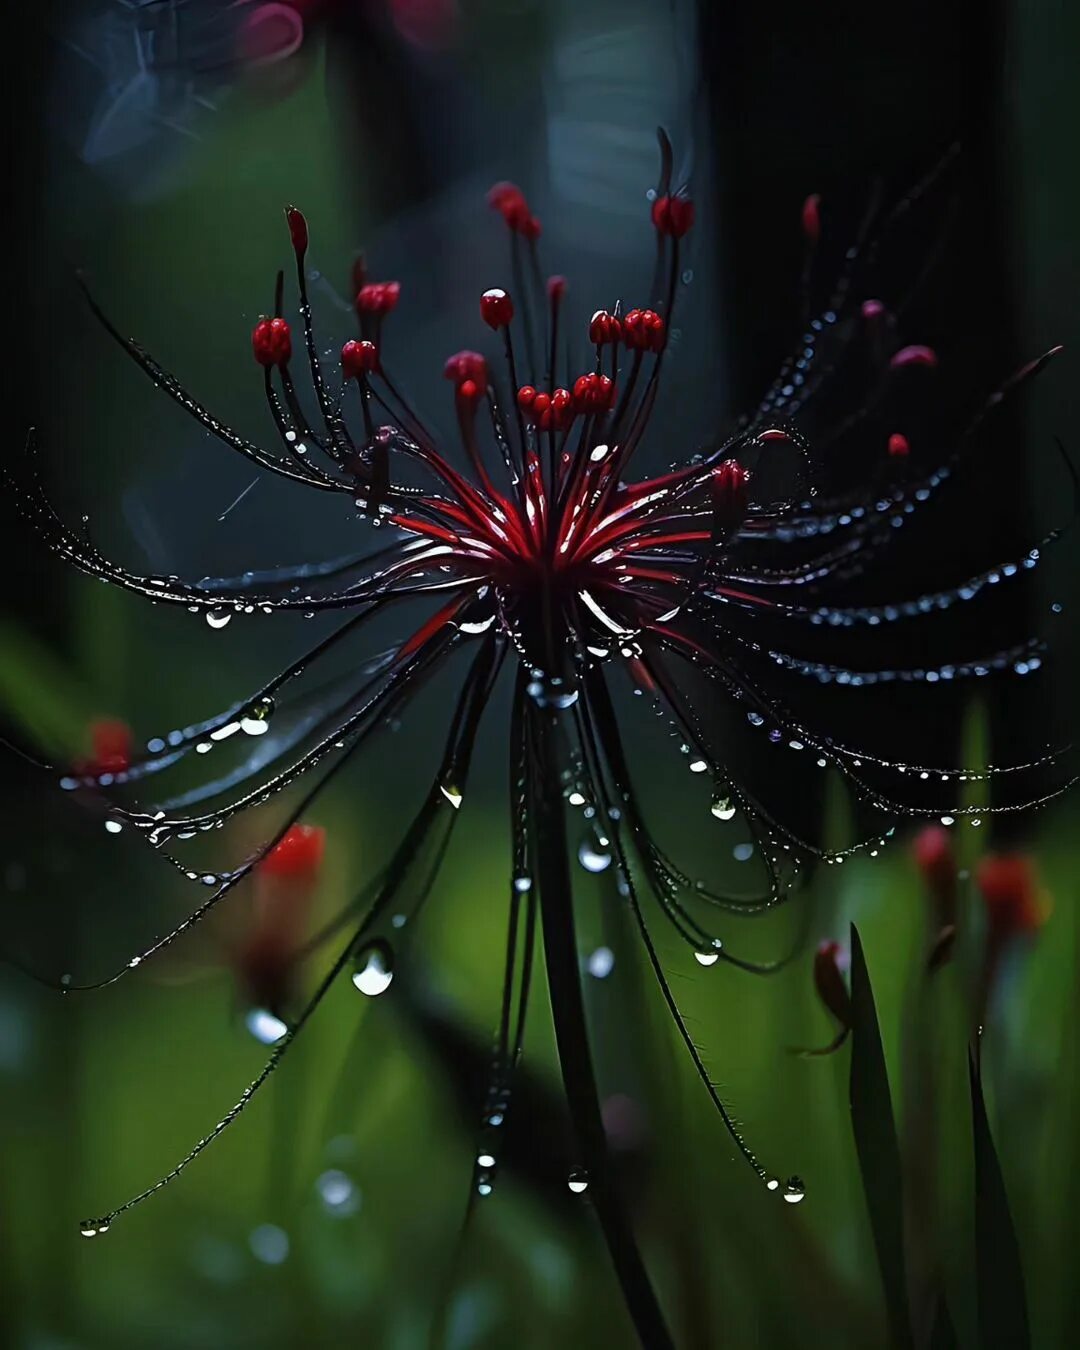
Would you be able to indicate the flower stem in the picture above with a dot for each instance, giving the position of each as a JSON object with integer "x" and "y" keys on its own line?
{"x": 571, "y": 1035}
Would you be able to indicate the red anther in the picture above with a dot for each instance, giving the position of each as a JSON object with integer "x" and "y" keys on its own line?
{"x": 899, "y": 446}
{"x": 830, "y": 962}
{"x": 673, "y": 216}
{"x": 111, "y": 741}
{"x": 359, "y": 358}
{"x": 593, "y": 393}
{"x": 464, "y": 366}
{"x": 378, "y": 297}
{"x": 556, "y": 289}
{"x": 531, "y": 228}
{"x": 271, "y": 342}
{"x": 496, "y": 309}
{"x": 297, "y": 854}
{"x": 772, "y": 434}
{"x": 552, "y": 412}
{"x": 298, "y": 230}
{"x": 604, "y": 328}
{"x": 643, "y": 330}
{"x": 1010, "y": 893}
{"x": 916, "y": 355}
{"x": 872, "y": 309}
{"x": 730, "y": 492}
{"x": 811, "y": 217}
{"x": 509, "y": 200}
{"x": 468, "y": 392}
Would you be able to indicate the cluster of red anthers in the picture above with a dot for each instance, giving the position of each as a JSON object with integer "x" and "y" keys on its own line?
{"x": 563, "y": 509}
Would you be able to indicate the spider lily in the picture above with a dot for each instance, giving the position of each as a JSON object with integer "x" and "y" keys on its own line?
{"x": 545, "y": 562}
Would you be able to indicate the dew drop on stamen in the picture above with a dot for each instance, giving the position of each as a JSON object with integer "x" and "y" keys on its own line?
{"x": 374, "y": 970}
{"x": 794, "y": 1190}
{"x": 592, "y": 859}
{"x": 217, "y": 618}
{"x": 114, "y": 826}
{"x": 256, "y": 720}
{"x": 723, "y": 808}
{"x": 578, "y": 1181}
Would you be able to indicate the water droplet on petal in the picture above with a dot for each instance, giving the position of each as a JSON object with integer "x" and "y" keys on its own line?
{"x": 794, "y": 1190}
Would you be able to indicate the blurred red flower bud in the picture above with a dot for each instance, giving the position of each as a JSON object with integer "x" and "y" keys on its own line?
{"x": 673, "y": 216}
{"x": 1009, "y": 887}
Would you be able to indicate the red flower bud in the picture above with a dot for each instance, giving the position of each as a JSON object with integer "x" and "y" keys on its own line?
{"x": 359, "y": 358}
{"x": 673, "y": 216}
{"x": 830, "y": 961}
{"x": 464, "y": 366}
{"x": 271, "y": 342}
{"x": 531, "y": 228}
{"x": 593, "y": 393}
{"x": 111, "y": 741}
{"x": 604, "y": 328}
{"x": 509, "y": 200}
{"x": 811, "y": 217}
{"x": 556, "y": 289}
{"x": 1010, "y": 893}
{"x": 643, "y": 330}
{"x": 378, "y": 297}
{"x": 932, "y": 850}
{"x": 730, "y": 493}
{"x": 298, "y": 230}
{"x": 899, "y": 447}
{"x": 297, "y": 855}
{"x": 496, "y": 309}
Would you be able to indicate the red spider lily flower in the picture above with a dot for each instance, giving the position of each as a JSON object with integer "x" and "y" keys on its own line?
{"x": 531, "y": 550}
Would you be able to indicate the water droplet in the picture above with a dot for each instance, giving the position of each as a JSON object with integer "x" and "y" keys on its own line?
{"x": 452, "y": 794}
{"x": 772, "y": 1184}
{"x": 217, "y": 618}
{"x": 707, "y": 958}
{"x": 592, "y": 859}
{"x": 601, "y": 963}
{"x": 698, "y": 766}
{"x": 269, "y": 1244}
{"x": 114, "y": 826}
{"x": 374, "y": 970}
{"x": 338, "y": 1193}
{"x": 723, "y": 808}
{"x": 485, "y": 1160}
{"x": 256, "y": 721}
{"x": 265, "y": 1027}
{"x": 794, "y": 1190}
{"x": 578, "y": 1181}
{"x": 742, "y": 852}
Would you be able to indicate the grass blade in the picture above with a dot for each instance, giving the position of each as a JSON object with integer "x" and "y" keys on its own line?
{"x": 999, "y": 1275}
{"x": 877, "y": 1145}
